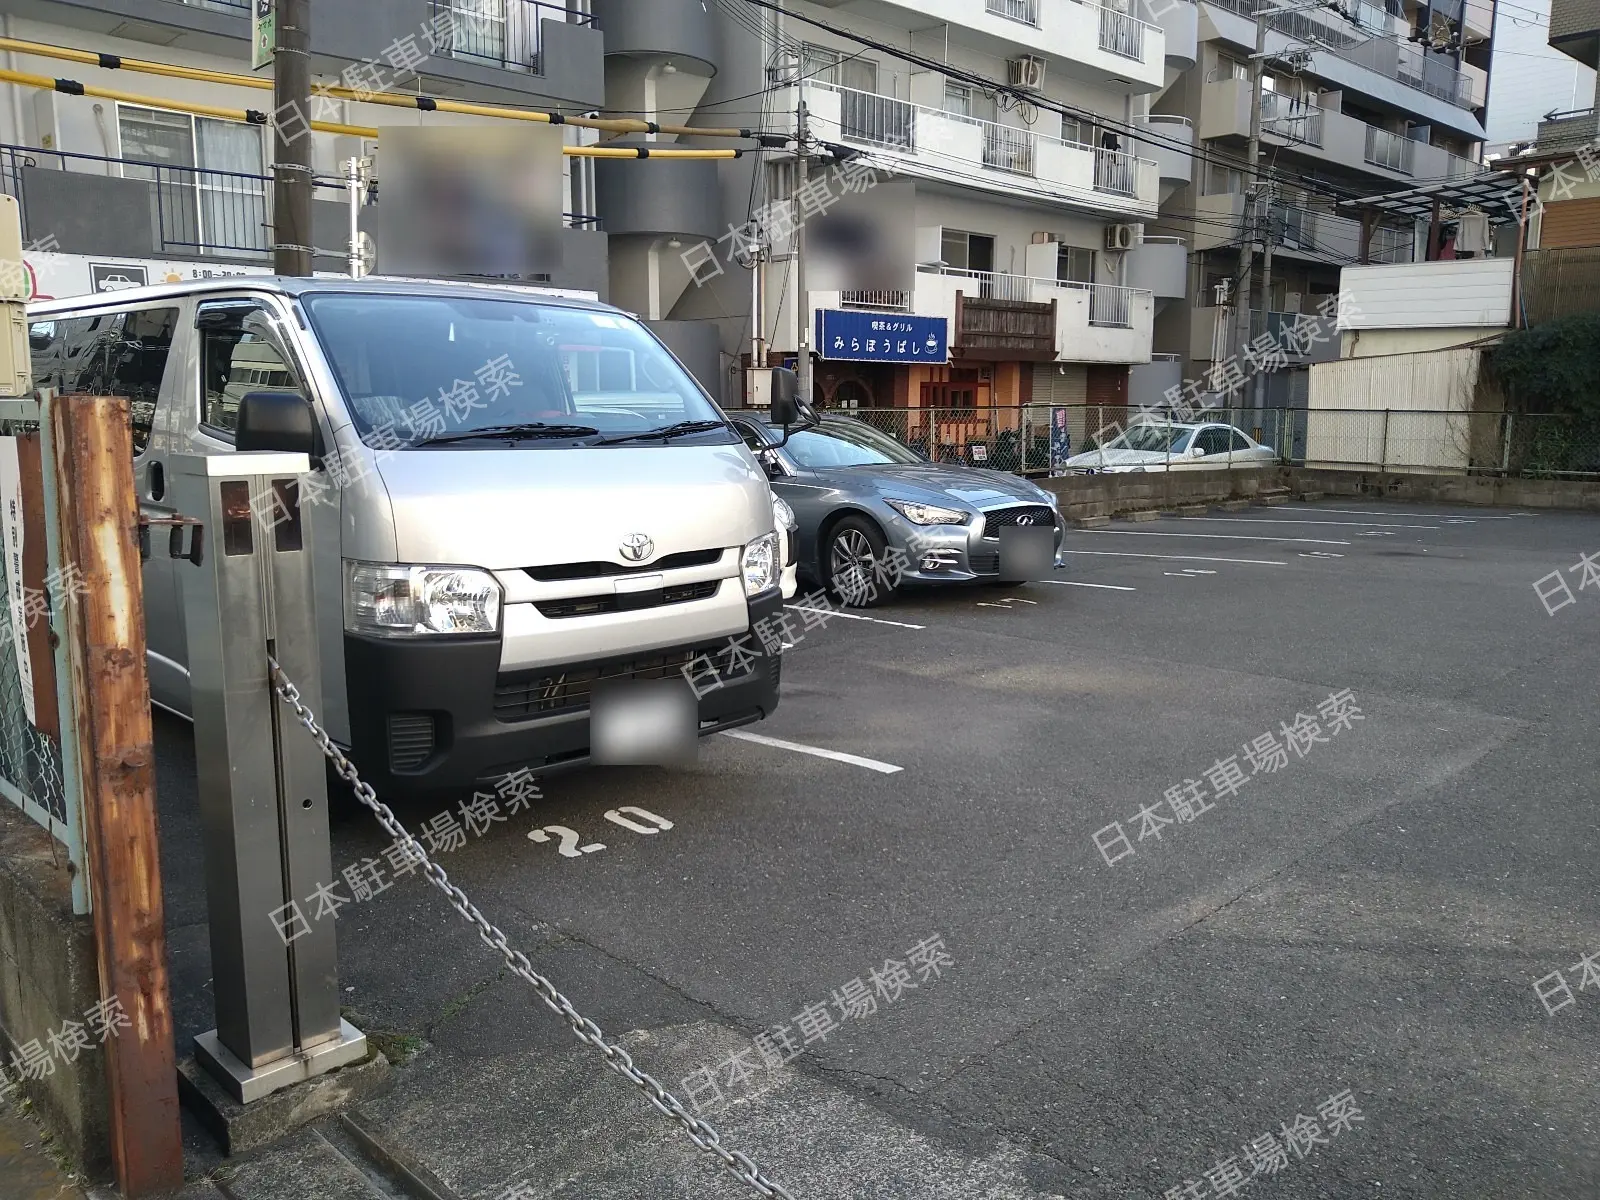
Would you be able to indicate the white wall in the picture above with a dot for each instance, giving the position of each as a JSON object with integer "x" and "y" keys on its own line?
{"x": 1401, "y": 410}
{"x": 1530, "y": 78}
{"x": 1430, "y": 295}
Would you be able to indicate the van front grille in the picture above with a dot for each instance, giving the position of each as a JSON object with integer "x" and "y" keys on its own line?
{"x": 588, "y": 606}
{"x": 561, "y": 572}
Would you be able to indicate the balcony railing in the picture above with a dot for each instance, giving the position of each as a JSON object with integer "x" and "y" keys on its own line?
{"x": 1026, "y": 11}
{"x": 892, "y": 123}
{"x": 1110, "y": 305}
{"x": 878, "y": 299}
{"x": 198, "y": 210}
{"x": 1390, "y": 150}
{"x": 502, "y": 33}
{"x": 1386, "y": 54}
{"x": 1008, "y": 149}
{"x": 1121, "y": 34}
{"x": 1296, "y": 120}
{"x": 879, "y": 120}
{"x": 1114, "y": 171}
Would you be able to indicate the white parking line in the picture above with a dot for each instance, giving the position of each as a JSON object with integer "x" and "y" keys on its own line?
{"x": 854, "y": 760}
{"x": 1253, "y": 562}
{"x": 834, "y": 612}
{"x": 1110, "y": 587}
{"x": 1301, "y": 521}
{"x": 1227, "y": 537}
{"x": 1367, "y": 512}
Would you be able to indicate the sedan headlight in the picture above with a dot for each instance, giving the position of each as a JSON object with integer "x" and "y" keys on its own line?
{"x": 406, "y": 600}
{"x": 761, "y": 564}
{"x": 782, "y": 515}
{"x": 928, "y": 514}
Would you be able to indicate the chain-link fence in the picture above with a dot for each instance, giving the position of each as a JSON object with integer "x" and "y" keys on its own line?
{"x": 1017, "y": 438}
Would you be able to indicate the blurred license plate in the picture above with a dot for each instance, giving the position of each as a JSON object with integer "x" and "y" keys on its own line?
{"x": 650, "y": 722}
{"x": 1026, "y": 553}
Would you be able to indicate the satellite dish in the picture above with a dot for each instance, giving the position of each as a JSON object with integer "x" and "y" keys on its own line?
{"x": 369, "y": 253}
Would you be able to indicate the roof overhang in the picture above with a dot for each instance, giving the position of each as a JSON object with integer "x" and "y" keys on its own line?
{"x": 1498, "y": 192}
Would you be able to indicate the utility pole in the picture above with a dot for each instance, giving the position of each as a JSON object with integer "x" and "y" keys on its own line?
{"x": 1247, "y": 251}
{"x": 291, "y": 151}
{"x": 1269, "y": 238}
{"x": 802, "y": 140}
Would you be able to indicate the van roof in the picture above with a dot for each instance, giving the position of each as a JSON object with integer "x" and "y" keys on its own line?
{"x": 287, "y": 285}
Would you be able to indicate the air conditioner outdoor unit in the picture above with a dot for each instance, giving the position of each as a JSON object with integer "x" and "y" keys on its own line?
{"x": 1120, "y": 237}
{"x": 1026, "y": 71}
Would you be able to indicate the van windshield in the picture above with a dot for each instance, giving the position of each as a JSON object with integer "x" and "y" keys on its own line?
{"x": 419, "y": 368}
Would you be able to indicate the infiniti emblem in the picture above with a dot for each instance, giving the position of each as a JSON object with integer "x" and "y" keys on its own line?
{"x": 1025, "y": 519}
{"x": 636, "y": 547}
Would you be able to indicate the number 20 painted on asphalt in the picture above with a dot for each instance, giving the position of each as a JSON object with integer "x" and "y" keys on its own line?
{"x": 570, "y": 847}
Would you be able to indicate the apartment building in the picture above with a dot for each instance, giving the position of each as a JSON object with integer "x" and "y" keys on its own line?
{"x": 1021, "y": 224}
{"x": 1351, "y": 109}
{"x": 128, "y": 183}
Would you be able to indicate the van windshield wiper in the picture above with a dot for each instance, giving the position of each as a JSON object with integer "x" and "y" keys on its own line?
{"x": 665, "y": 433}
{"x": 526, "y": 429}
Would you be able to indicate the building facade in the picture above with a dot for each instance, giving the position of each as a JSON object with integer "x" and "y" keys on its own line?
{"x": 134, "y": 182}
{"x": 1013, "y": 229}
{"x": 1350, "y": 109}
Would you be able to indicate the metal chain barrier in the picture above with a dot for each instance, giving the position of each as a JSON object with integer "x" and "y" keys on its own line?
{"x": 618, "y": 1059}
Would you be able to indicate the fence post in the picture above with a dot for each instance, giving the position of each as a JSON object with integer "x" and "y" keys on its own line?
{"x": 1383, "y": 458}
{"x": 105, "y": 626}
{"x": 1505, "y": 450}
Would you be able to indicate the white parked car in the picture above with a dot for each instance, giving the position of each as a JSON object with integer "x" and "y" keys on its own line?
{"x": 1160, "y": 446}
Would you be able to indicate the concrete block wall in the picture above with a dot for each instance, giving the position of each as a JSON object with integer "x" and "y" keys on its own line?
{"x": 49, "y": 975}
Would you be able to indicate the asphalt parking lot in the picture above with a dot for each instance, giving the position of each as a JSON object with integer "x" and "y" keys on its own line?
{"x": 1109, "y": 1018}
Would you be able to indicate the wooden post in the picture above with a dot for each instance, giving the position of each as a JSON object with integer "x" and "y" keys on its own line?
{"x": 105, "y": 626}
{"x": 1369, "y": 218}
{"x": 1433, "y": 231}
{"x": 1516, "y": 261}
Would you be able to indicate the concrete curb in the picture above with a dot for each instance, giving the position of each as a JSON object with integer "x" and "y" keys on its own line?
{"x": 1142, "y": 514}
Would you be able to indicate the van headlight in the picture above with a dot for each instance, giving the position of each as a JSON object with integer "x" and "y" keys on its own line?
{"x": 760, "y": 564}
{"x": 406, "y": 600}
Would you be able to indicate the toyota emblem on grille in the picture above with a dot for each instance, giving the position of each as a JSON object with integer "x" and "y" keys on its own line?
{"x": 636, "y": 547}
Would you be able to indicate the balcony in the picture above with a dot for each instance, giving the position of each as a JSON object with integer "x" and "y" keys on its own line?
{"x": 1569, "y": 130}
{"x": 124, "y": 208}
{"x": 1325, "y": 136}
{"x": 1025, "y": 11}
{"x": 1301, "y": 232}
{"x": 1338, "y": 46}
{"x": 1078, "y": 39}
{"x": 1094, "y": 322}
{"x": 1392, "y": 151}
{"x": 950, "y": 148}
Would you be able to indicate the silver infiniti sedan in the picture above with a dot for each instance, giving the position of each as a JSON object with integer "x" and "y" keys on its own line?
{"x": 859, "y": 496}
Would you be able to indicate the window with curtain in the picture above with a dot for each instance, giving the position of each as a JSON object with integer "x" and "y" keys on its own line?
{"x": 1223, "y": 180}
{"x": 208, "y": 175}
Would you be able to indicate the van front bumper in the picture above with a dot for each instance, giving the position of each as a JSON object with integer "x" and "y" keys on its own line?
{"x": 439, "y": 718}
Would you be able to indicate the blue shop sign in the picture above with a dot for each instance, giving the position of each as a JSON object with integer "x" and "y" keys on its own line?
{"x": 852, "y": 335}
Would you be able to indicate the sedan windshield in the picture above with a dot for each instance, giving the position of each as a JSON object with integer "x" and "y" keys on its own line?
{"x": 433, "y": 369}
{"x": 846, "y": 444}
{"x": 1157, "y": 439}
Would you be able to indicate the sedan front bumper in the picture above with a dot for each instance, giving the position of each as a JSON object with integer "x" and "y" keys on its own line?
{"x": 953, "y": 553}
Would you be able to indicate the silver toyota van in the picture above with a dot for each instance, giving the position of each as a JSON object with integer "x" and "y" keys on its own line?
{"x": 529, "y": 498}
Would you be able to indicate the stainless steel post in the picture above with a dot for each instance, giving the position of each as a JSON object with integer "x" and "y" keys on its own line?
{"x": 263, "y": 789}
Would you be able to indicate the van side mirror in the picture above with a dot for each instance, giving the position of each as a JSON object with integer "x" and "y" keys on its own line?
{"x": 276, "y": 421}
{"x": 788, "y": 409}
